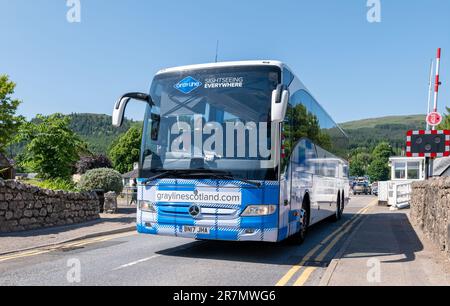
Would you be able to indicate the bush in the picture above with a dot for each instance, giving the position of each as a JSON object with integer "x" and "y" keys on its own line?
{"x": 105, "y": 179}
{"x": 91, "y": 162}
{"x": 55, "y": 184}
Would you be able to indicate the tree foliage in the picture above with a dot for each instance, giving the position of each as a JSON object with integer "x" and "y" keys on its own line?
{"x": 379, "y": 168}
{"x": 359, "y": 162}
{"x": 445, "y": 125}
{"x": 90, "y": 162}
{"x": 125, "y": 151}
{"x": 9, "y": 121}
{"x": 373, "y": 163}
{"x": 52, "y": 147}
{"x": 306, "y": 125}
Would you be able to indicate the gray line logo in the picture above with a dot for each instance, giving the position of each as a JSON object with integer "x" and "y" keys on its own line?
{"x": 188, "y": 85}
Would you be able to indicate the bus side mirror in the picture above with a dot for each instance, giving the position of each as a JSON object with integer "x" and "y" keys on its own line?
{"x": 280, "y": 100}
{"x": 121, "y": 105}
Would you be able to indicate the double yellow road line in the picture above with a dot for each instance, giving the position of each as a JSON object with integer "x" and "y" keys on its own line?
{"x": 75, "y": 244}
{"x": 330, "y": 241}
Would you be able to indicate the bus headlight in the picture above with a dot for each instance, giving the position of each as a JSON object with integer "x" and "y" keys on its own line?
{"x": 259, "y": 210}
{"x": 147, "y": 206}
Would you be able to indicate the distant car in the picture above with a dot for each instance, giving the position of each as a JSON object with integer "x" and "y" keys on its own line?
{"x": 375, "y": 189}
{"x": 361, "y": 188}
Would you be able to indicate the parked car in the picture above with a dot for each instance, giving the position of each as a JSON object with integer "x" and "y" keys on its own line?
{"x": 375, "y": 189}
{"x": 361, "y": 188}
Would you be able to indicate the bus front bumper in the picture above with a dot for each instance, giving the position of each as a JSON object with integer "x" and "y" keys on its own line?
{"x": 263, "y": 229}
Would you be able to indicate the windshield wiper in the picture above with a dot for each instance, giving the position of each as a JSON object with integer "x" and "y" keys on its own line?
{"x": 224, "y": 175}
{"x": 203, "y": 172}
{"x": 165, "y": 173}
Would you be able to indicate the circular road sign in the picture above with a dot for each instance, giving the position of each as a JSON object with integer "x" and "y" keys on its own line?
{"x": 434, "y": 119}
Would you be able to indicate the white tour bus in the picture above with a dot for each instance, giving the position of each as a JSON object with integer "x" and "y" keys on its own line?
{"x": 237, "y": 151}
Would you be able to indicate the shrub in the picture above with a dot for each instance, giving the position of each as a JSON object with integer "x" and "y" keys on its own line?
{"x": 55, "y": 184}
{"x": 91, "y": 162}
{"x": 105, "y": 179}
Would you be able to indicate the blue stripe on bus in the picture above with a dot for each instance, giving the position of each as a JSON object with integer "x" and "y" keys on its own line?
{"x": 283, "y": 233}
{"x": 176, "y": 188}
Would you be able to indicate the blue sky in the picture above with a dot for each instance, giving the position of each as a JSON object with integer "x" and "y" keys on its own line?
{"x": 356, "y": 69}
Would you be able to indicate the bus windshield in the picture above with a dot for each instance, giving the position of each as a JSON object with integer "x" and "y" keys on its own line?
{"x": 214, "y": 120}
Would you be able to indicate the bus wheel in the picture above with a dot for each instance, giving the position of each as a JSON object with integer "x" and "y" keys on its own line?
{"x": 300, "y": 237}
{"x": 338, "y": 214}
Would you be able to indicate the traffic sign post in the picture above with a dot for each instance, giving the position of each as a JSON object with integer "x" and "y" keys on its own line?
{"x": 434, "y": 119}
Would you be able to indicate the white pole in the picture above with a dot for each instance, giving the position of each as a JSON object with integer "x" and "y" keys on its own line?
{"x": 437, "y": 83}
{"x": 430, "y": 91}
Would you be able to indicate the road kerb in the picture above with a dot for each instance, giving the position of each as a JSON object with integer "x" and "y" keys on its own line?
{"x": 77, "y": 238}
{"x": 335, "y": 261}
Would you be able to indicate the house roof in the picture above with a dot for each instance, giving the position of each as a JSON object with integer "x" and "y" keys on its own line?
{"x": 5, "y": 162}
{"x": 131, "y": 174}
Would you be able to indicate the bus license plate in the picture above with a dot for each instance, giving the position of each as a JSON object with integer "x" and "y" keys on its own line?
{"x": 196, "y": 230}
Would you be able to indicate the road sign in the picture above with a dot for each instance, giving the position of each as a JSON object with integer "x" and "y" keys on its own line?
{"x": 434, "y": 119}
{"x": 428, "y": 144}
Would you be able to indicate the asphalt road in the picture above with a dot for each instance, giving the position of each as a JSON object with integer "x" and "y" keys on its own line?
{"x": 132, "y": 259}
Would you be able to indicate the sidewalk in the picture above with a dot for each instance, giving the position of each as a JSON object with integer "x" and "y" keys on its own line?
{"x": 124, "y": 221}
{"x": 386, "y": 237}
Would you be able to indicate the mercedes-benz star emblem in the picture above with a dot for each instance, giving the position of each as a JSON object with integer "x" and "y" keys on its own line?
{"x": 194, "y": 211}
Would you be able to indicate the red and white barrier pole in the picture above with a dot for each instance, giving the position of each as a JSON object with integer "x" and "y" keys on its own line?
{"x": 430, "y": 92}
{"x": 437, "y": 82}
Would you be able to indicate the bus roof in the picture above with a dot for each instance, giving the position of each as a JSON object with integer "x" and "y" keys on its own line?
{"x": 224, "y": 64}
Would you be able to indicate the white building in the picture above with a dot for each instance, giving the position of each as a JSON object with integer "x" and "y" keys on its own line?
{"x": 404, "y": 171}
{"x": 407, "y": 169}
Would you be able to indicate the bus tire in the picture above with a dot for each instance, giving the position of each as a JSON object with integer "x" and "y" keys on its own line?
{"x": 338, "y": 214}
{"x": 300, "y": 237}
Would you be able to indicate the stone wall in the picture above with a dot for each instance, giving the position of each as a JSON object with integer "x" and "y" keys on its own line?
{"x": 25, "y": 207}
{"x": 430, "y": 210}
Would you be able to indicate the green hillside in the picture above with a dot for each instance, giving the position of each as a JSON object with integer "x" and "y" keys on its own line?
{"x": 369, "y": 132}
{"x": 415, "y": 120}
{"x": 97, "y": 130}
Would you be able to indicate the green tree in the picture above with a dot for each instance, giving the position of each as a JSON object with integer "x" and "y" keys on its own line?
{"x": 357, "y": 168}
{"x": 359, "y": 160}
{"x": 306, "y": 125}
{"x": 52, "y": 147}
{"x": 445, "y": 125}
{"x": 9, "y": 121}
{"x": 379, "y": 168}
{"x": 125, "y": 150}
{"x": 383, "y": 151}
{"x": 359, "y": 163}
